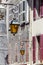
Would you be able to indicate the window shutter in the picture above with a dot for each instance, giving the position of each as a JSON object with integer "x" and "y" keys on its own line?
{"x": 34, "y": 13}
{"x": 41, "y": 8}
{"x": 34, "y": 43}
{"x": 34, "y": 9}
{"x": 41, "y": 11}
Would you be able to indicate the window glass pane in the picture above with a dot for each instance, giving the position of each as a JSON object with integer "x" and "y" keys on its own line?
{"x": 23, "y": 5}
{"x": 16, "y": 15}
{"x": 3, "y": 28}
{"x": 20, "y": 17}
{"x": 2, "y": 14}
{"x": 20, "y": 8}
{"x": 23, "y": 16}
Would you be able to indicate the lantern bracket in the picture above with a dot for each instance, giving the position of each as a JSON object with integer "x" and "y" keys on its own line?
{"x": 23, "y": 24}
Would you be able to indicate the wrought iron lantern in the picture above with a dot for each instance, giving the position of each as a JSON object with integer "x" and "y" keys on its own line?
{"x": 14, "y": 25}
{"x": 22, "y": 51}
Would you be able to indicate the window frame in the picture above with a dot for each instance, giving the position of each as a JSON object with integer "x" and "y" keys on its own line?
{"x": 22, "y": 11}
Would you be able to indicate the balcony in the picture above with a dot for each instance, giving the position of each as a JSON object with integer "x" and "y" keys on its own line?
{"x": 37, "y": 27}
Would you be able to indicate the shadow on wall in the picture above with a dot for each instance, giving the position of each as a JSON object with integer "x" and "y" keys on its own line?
{"x": 6, "y": 59}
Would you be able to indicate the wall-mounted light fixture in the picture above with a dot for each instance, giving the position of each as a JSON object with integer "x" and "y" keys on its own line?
{"x": 14, "y": 25}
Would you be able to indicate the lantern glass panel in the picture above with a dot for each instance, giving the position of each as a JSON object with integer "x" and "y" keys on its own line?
{"x": 22, "y": 52}
{"x": 14, "y": 28}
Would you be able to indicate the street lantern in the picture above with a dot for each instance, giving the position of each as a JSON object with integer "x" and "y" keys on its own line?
{"x": 14, "y": 25}
{"x": 22, "y": 51}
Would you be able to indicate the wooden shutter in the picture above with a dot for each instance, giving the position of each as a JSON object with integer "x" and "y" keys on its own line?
{"x": 41, "y": 8}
